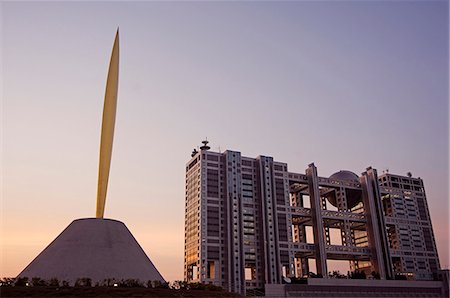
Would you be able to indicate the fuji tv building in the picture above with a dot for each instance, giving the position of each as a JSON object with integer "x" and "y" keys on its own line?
{"x": 250, "y": 223}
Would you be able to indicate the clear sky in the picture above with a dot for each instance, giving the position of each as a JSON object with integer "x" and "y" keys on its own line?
{"x": 343, "y": 84}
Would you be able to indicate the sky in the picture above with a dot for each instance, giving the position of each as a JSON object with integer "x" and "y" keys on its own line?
{"x": 343, "y": 84}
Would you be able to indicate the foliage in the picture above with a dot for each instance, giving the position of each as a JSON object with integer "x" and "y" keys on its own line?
{"x": 211, "y": 287}
{"x": 157, "y": 284}
{"x": 179, "y": 285}
{"x": 7, "y": 281}
{"x": 54, "y": 282}
{"x": 65, "y": 284}
{"x": 202, "y": 286}
{"x": 86, "y": 284}
{"x": 38, "y": 282}
{"x": 336, "y": 274}
{"x": 83, "y": 282}
{"x": 130, "y": 283}
{"x": 375, "y": 275}
{"x": 108, "y": 282}
{"x": 357, "y": 274}
{"x": 162, "y": 285}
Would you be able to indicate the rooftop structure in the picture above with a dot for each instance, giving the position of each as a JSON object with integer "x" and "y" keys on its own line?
{"x": 251, "y": 222}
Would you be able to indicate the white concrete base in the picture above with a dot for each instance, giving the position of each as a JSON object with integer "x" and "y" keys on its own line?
{"x": 95, "y": 248}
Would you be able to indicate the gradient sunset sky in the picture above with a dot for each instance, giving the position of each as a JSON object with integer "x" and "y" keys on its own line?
{"x": 344, "y": 84}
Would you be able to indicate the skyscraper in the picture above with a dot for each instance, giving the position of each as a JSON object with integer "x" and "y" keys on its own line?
{"x": 251, "y": 222}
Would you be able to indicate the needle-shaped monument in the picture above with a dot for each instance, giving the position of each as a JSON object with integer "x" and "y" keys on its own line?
{"x": 100, "y": 249}
{"x": 108, "y": 123}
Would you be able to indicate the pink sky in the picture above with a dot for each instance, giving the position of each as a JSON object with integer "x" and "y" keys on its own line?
{"x": 345, "y": 85}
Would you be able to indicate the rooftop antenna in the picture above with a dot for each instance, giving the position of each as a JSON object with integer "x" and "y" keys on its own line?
{"x": 205, "y": 145}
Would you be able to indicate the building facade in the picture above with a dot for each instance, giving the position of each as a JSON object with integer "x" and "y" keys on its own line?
{"x": 251, "y": 222}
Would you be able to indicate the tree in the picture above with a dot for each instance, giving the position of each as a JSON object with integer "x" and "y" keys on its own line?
{"x": 179, "y": 285}
{"x": 7, "y": 282}
{"x": 65, "y": 283}
{"x": 357, "y": 274}
{"x": 336, "y": 274}
{"x": 54, "y": 282}
{"x": 83, "y": 282}
{"x": 38, "y": 282}
{"x": 376, "y": 275}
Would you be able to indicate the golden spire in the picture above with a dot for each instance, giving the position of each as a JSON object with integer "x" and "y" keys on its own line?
{"x": 109, "y": 119}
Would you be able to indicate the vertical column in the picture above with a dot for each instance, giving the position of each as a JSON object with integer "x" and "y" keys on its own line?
{"x": 427, "y": 230}
{"x": 318, "y": 228}
{"x": 271, "y": 252}
{"x": 236, "y": 280}
{"x": 284, "y": 227}
{"x": 203, "y": 265}
{"x": 341, "y": 200}
{"x": 346, "y": 233}
{"x": 192, "y": 218}
{"x": 376, "y": 226}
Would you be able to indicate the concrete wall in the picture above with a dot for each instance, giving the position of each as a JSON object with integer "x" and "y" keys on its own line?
{"x": 357, "y": 288}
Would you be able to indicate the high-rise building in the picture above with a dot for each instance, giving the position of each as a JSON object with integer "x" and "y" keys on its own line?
{"x": 251, "y": 222}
